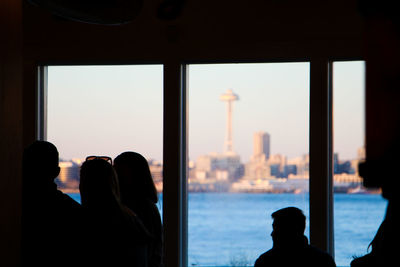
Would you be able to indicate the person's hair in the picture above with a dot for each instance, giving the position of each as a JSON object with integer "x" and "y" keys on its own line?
{"x": 141, "y": 181}
{"x": 98, "y": 182}
{"x": 290, "y": 219}
{"x": 40, "y": 159}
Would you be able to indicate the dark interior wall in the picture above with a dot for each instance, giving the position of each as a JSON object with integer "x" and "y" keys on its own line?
{"x": 208, "y": 30}
{"x": 11, "y": 128}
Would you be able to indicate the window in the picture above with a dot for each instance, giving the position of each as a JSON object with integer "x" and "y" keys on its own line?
{"x": 248, "y": 157}
{"x": 104, "y": 110}
{"x": 358, "y": 211}
{"x": 184, "y": 103}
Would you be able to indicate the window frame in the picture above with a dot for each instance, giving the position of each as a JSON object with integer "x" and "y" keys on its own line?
{"x": 175, "y": 134}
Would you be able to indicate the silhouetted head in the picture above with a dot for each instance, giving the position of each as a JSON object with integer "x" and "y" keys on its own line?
{"x": 134, "y": 177}
{"x": 40, "y": 164}
{"x": 98, "y": 184}
{"x": 288, "y": 226}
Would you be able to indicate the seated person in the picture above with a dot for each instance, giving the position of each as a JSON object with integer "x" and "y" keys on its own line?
{"x": 290, "y": 246}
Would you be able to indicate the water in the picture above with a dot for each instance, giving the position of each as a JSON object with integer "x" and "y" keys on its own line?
{"x": 357, "y": 218}
{"x": 234, "y": 229}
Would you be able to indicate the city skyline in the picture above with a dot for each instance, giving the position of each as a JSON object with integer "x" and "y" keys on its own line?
{"x": 136, "y": 99}
{"x": 225, "y": 172}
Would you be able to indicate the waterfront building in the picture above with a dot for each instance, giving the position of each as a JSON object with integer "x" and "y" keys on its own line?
{"x": 226, "y": 166}
{"x": 345, "y": 178}
{"x": 156, "y": 169}
{"x": 69, "y": 174}
{"x": 258, "y": 167}
{"x": 277, "y": 163}
{"x": 252, "y": 186}
{"x": 69, "y": 171}
{"x": 293, "y": 185}
{"x": 261, "y": 145}
{"x": 302, "y": 166}
{"x": 361, "y": 153}
{"x": 345, "y": 183}
{"x": 276, "y": 170}
{"x": 354, "y": 166}
{"x": 341, "y": 166}
{"x": 206, "y": 163}
{"x": 289, "y": 169}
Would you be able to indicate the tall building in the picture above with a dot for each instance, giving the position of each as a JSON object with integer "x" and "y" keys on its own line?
{"x": 229, "y": 97}
{"x": 257, "y": 167}
{"x": 277, "y": 163}
{"x": 225, "y": 166}
{"x": 302, "y": 165}
{"x": 68, "y": 171}
{"x": 69, "y": 174}
{"x": 212, "y": 165}
{"x": 261, "y": 144}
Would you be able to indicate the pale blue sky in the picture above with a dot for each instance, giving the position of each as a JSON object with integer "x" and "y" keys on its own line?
{"x": 348, "y": 107}
{"x": 105, "y": 110}
{"x": 273, "y": 98}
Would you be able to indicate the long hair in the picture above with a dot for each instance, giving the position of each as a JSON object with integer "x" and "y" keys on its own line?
{"x": 100, "y": 195}
{"x": 135, "y": 177}
{"x": 98, "y": 183}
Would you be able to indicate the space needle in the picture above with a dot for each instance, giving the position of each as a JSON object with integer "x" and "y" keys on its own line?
{"x": 229, "y": 97}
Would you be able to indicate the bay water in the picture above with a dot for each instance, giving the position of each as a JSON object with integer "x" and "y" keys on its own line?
{"x": 233, "y": 229}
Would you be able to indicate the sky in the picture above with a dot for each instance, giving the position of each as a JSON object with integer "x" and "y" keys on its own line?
{"x": 348, "y": 108}
{"x": 105, "y": 110}
{"x": 272, "y": 97}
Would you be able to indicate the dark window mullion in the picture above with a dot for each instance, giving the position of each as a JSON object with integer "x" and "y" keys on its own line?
{"x": 174, "y": 172}
{"x": 321, "y": 204}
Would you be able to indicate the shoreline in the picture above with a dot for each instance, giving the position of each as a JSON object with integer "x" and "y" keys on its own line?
{"x": 364, "y": 192}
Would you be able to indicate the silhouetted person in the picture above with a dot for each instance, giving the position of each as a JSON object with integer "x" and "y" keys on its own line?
{"x": 49, "y": 218}
{"x": 290, "y": 246}
{"x": 382, "y": 53}
{"x": 139, "y": 193}
{"x": 114, "y": 235}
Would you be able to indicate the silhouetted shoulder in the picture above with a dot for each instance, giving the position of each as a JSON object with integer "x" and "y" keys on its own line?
{"x": 308, "y": 256}
{"x": 63, "y": 208}
{"x": 66, "y": 200}
{"x": 364, "y": 261}
{"x": 321, "y": 257}
{"x": 266, "y": 258}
